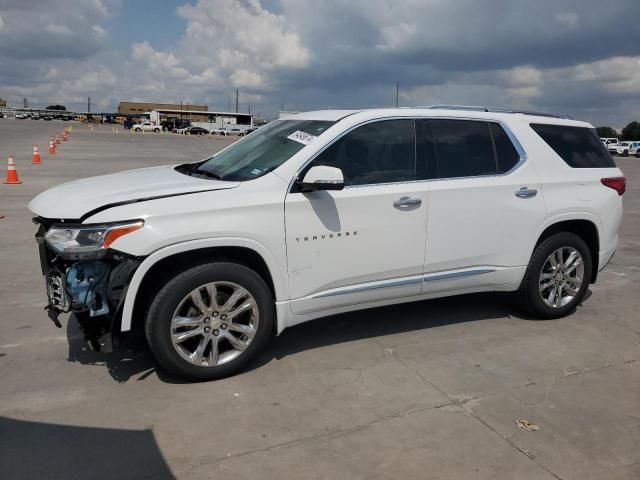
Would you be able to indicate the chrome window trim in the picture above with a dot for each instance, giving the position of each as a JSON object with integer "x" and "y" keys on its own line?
{"x": 517, "y": 145}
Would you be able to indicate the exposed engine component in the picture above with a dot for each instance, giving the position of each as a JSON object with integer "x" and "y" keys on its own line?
{"x": 84, "y": 276}
{"x": 58, "y": 298}
{"x": 87, "y": 286}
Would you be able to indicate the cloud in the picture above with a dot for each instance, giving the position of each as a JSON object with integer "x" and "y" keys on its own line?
{"x": 41, "y": 29}
{"x": 57, "y": 29}
{"x": 562, "y": 55}
{"x": 568, "y": 19}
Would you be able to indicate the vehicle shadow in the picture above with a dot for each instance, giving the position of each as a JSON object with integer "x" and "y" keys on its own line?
{"x": 133, "y": 358}
{"x": 32, "y": 450}
{"x": 389, "y": 320}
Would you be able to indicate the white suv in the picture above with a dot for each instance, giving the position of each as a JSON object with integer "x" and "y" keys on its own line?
{"x": 326, "y": 212}
{"x": 626, "y": 148}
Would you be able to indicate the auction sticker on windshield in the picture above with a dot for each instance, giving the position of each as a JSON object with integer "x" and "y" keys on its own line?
{"x": 302, "y": 137}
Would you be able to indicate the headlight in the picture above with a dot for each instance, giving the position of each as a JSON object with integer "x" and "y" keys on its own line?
{"x": 78, "y": 240}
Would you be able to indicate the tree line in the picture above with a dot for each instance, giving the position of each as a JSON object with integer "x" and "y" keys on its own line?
{"x": 630, "y": 132}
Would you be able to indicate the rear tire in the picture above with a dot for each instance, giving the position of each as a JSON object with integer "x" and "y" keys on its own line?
{"x": 549, "y": 292}
{"x": 193, "y": 305}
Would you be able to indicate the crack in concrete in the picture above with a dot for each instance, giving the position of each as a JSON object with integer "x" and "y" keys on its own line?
{"x": 514, "y": 445}
{"x": 318, "y": 436}
{"x": 464, "y": 403}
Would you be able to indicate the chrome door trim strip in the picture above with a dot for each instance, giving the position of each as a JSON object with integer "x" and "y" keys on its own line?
{"x": 399, "y": 282}
{"x": 463, "y": 273}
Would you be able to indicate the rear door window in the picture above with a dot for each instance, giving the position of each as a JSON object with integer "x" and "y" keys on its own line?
{"x": 579, "y": 147}
{"x": 463, "y": 148}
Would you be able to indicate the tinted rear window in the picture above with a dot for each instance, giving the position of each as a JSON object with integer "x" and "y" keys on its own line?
{"x": 506, "y": 153}
{"x": 463, "y": 148}
{"x": 579, "y": 147}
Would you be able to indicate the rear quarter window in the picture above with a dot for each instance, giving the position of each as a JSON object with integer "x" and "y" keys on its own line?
{"x": 579, "y": 147}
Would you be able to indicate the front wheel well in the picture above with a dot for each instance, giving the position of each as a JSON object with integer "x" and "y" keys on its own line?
{"x": 169, "y": 267}
{"x": 586, "y": 230}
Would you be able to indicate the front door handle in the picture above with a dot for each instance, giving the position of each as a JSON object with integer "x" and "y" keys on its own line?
{"x": 405, "y": 202}
{"x": 526, "y": 192}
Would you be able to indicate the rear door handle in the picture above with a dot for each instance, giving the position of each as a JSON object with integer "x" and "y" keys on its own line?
{"x": 526, "y": 192}
{"x": 404, "y": 202}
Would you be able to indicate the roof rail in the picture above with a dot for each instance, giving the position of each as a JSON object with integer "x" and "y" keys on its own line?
{"x": 497, "y": 110}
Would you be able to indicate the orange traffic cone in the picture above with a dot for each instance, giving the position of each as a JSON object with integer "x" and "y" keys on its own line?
{"x": 12, "y": 174}
{"x": 64, "y": 136}
{"x": 57, "y": 140}
{"x": 35, "y": 159}
{"x": 52, "y": 146}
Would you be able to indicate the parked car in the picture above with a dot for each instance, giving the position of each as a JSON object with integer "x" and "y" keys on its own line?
{"x": 626, "y": 148}
{"x": 174, "y": 125}
{"x": 326, "y": 212}
{"x": 611, "y": 144}
{"x": 47, "y": 118}
{"x": 146, "y": 127}
{"x": 193, "y": 130}
{"x": 235, "y": 131}
{"x": 218, "y": 131}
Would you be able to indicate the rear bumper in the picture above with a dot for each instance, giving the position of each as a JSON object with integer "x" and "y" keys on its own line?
{"x": 605, "y": 256}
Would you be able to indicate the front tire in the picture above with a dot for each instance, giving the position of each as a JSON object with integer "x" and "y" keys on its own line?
{"x": 625, "y": 153}
{"x": 210, "y": 321}
{"x": 557, "y": 277}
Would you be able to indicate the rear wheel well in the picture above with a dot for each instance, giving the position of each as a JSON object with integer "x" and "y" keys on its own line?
{"x": 585, "y": 230}
{"x": 169, "y": 267}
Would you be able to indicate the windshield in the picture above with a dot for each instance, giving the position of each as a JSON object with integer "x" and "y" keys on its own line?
{"x": 262, "y": 151}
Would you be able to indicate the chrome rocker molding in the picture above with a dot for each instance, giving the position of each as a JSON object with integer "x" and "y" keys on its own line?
{"x": 398, "y": 282}
{"x": 432, "y": 277}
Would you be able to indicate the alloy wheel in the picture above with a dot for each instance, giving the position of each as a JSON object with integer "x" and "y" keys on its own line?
{"x": 214, "y": 324}
{"x": 561, "y": 277}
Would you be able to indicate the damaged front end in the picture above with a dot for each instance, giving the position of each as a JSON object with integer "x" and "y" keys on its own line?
{"x": 84, "y": 276}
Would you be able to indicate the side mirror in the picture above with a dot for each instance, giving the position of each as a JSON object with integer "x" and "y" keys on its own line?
{"x": 322, "y": 177}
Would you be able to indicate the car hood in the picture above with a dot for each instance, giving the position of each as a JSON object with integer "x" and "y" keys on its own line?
{"x": 74, "y": 200}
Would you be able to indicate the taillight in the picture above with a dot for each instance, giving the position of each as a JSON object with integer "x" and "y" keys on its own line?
{"x": 619, "y": 184}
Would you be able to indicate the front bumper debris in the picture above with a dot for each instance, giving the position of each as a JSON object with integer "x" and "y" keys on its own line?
{"x": 92, "y": 290}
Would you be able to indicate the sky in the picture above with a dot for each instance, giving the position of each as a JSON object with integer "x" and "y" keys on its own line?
{"x": 576, "y": 57}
